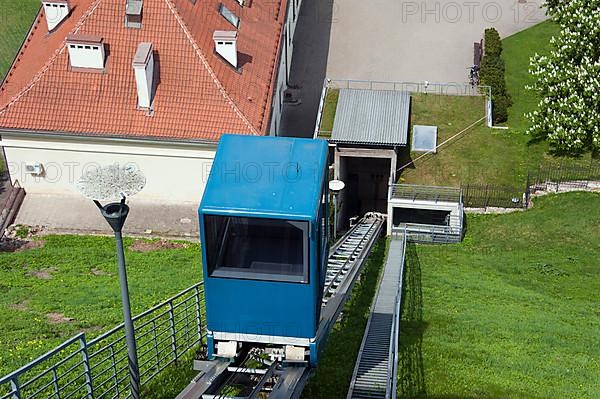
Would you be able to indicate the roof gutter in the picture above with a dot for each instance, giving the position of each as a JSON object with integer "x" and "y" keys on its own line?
{"x": 108, "y": 138}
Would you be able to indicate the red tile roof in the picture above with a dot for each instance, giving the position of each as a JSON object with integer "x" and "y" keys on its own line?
{"x": 199, "y": 95}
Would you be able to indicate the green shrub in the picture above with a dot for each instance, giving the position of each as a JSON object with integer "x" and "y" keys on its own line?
{"x": 492, "y": 74}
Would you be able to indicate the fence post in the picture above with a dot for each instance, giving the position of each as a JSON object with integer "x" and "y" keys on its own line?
{"x": 16, "y": 388}
{"x": 527, "y": 192}
{"x": 86, "y": 367}
{"x": 115, "y": 370}
{"x": 55, "y": 382}
{"x": 486, "y": 196}
{"x": 198, "y": 315}
{"x": 172, "y": 324}
{"x": 589, "y": 175}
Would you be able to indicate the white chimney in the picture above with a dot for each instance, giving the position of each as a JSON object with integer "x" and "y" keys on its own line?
{"x": 55, "y": 11}
{"x": 133, "y": 13}
{"x": 86, "y": 52}
{"x": 143, "y": 66}
{"x": 226, "y": 45}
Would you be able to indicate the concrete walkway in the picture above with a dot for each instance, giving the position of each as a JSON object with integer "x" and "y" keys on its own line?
{"x": 68, "y": 214}
{"x": 414, "y": 41}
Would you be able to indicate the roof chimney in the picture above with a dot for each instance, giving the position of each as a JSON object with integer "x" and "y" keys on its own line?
{"x": 55, "y": 11}
{"x": 143, "y": 66}
{"x": 133, "y": 14}
{"x": 86, "y": 52}
{"x": 226, "y": 45}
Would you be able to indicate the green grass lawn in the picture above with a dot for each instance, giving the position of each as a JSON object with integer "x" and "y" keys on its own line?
{"x": 512, "y": 312}
{"x": 76, "y": 277}
{"x": 517, "y": 50}
{"x": 16, "y": 17}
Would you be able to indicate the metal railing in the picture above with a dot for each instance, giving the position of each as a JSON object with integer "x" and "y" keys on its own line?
{"x": 99, "y": 368}
{"x": 430, "y": 233}
{"x": 492, "y": 195}
{"x": 425, "y": 193}
{"x": 456, "y": 88}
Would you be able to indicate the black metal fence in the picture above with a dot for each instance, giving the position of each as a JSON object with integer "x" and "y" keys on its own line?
{"x": 490, "y": 195}
{"x": 564, "y": 176}
{"x": 555, "y": 177}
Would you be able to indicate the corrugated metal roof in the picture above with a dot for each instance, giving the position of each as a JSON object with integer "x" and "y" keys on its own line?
{"x": 375, "y": 117}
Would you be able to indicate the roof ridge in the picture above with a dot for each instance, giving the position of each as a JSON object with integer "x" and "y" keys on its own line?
{"x": 52, "y": 59}
{"x": 209, "y": 69}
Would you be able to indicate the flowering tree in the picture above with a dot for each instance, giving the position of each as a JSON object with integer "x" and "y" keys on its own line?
{"x": 568, "y": 80}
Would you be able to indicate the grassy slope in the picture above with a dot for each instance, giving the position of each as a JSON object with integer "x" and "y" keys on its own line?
{"x": 512, "y": 312}
{"x": 92, "y": 300}
{"x": 16, "y": 17}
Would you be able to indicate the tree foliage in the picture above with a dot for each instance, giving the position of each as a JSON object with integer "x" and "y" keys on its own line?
{"x": 568, "y": 80}
{"x": 492, "y": 74}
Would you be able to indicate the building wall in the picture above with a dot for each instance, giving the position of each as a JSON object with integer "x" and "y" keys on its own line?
{"x": 174, "y": 172}
{"x": 454, "y": 208}
{"x": 285, "y": 64}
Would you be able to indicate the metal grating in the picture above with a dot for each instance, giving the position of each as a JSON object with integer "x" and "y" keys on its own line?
{"x": 375, "y": 117}
{"x": 375, "y": 369}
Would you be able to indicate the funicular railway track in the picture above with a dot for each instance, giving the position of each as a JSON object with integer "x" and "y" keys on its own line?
{"x": 277, "y": 379}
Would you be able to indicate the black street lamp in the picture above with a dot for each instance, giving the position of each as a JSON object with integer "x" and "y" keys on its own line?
{"x": 110, "y": 183}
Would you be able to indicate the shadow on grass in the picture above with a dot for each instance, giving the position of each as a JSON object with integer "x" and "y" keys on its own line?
{"x": 411, "y": 374}
{"x": 336, "y": 364}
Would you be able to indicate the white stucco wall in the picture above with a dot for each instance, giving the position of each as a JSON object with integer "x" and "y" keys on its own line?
{"x": 174, "y": 172}
{"x": 455, "y": 209}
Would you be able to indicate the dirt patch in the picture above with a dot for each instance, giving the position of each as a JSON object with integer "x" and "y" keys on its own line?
{"x": 22, "y": 306}
{"x": 44, "y": 274}
{"x": 148, "y": 246}
{"x": 18, "y": 245}
{"x": 57, "y": 318}
{"x": 98, "y": 272}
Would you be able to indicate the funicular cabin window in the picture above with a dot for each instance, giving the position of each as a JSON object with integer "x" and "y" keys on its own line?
{"x": 256, "y": 248}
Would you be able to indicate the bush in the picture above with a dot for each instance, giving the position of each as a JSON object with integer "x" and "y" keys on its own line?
{"x": 492, "y": 74}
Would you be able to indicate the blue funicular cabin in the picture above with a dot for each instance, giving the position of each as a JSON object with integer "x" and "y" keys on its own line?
{"x": 263, "y": 227}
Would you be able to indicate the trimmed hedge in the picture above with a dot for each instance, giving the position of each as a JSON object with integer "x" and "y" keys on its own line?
{"x": 492, "y": 74}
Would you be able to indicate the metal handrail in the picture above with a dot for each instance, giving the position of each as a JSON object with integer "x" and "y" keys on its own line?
{"x": 102, "y": 369}
{"x": 413, "y": 87}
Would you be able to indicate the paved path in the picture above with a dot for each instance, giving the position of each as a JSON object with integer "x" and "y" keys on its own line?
{"x": 68, "y": 214}
{"x": 414, "y": 41}
{"x": 392, "y": 40}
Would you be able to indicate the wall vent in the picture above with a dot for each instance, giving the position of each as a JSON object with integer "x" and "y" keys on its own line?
{"x": 55, "y": 11}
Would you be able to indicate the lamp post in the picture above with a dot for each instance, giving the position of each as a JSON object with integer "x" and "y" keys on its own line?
{"x": 335, "y": 186}
{"x": 110, "y": 183}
